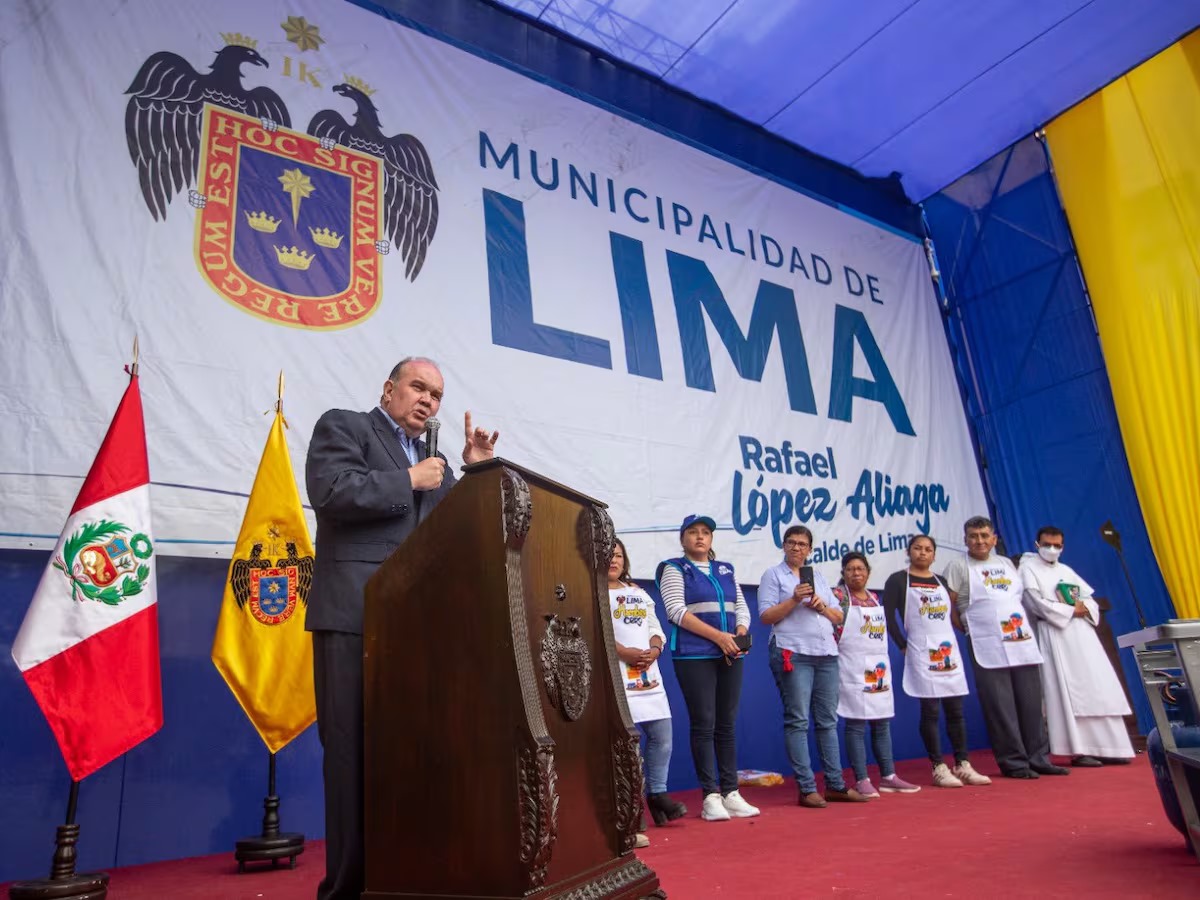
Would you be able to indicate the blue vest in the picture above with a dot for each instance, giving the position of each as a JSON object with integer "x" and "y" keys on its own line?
{"x": 718, "y": 591}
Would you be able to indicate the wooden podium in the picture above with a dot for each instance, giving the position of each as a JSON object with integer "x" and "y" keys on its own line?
{"x": 500, "y": 758}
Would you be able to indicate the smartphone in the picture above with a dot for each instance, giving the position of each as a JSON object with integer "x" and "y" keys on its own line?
{"x": 806, "y": 576}
{"x": 743, "y": 641}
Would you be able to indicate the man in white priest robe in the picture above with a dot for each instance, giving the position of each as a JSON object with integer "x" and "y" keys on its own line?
{"x": 1084, "y": 700}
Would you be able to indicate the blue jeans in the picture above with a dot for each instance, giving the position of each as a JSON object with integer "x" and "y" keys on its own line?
{"x": 657, "y": 753}
{"x": 881, "y": 743}
{"x": 811, "y": 685}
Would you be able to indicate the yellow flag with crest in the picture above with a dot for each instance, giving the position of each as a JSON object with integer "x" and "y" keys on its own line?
{"x": 261, "y": 648}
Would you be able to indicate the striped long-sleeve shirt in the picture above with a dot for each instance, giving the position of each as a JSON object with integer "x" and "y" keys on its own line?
{"x": 671, "y": 586}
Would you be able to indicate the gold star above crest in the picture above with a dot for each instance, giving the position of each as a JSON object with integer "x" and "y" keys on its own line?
{"x": 299, "y": 186}
{"x": 300, "y": 33}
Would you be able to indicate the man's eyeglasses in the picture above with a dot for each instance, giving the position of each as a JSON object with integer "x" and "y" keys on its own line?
{"x": 796, "y": 545}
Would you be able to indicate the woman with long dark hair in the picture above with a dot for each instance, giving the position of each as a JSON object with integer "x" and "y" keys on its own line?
{"x": 920, "y": 609}
{"x": 639, "y": 640}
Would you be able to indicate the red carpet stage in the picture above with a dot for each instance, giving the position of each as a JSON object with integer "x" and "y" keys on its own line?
{"x": 1096, "y": 833}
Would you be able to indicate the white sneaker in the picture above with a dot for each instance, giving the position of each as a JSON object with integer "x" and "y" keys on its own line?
{"x": 641, "y": 842}
{"x": 714, "y": 810}
{"x": 943, "y": 777}
{"x": 967, "y": 775}
{"x": 737, "y": 807}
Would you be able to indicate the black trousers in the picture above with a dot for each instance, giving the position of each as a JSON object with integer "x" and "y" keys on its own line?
{"x": 338, "y": 680}
{"x": 956, "y": 727}
{"x": 1011, "y": 699}
{"x": 711, "y": 689}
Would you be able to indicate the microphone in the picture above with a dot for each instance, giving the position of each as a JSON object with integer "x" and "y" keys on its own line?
{"x": 431, "y": 434}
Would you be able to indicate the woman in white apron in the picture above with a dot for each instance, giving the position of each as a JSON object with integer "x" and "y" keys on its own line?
{"x": 865, "y": 679}
{"x": 933, "y": 665}
{"x": 639, "y": 640}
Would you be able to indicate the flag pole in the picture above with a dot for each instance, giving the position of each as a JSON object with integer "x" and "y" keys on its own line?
{"x": 271, "y": 844}
{"x": 63, "y": 883}
{"x": 132, "y": 368}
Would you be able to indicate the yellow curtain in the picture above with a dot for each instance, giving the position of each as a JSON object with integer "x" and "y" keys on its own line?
{"x": 1127, "y": 161}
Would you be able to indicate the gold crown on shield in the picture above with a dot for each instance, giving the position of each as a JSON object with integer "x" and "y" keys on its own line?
{"x": 326, "y": 238}
{"x": 293, "y": 257}
{"x": 260, "y": 221}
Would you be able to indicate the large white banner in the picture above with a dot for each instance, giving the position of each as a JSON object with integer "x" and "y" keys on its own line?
{"x": 306, "y": 186}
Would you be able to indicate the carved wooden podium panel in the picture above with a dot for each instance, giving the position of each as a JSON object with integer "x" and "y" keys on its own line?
{"x": 501, "y": 761}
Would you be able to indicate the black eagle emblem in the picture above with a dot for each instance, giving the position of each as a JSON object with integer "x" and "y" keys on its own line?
{"x": 162, "y": 119}
{"x": 242, "y": 574}
{"x": 304, "y": 568}
{"x": 410, "y": 206}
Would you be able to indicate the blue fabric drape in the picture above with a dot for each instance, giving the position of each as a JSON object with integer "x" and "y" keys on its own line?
{"x": 1037, "y": 393}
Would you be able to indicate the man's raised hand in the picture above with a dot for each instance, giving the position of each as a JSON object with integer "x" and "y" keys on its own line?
{"x": 479, "y": 445}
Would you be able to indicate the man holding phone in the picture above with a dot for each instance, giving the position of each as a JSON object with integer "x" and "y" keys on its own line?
{"x": 795, "y": 600}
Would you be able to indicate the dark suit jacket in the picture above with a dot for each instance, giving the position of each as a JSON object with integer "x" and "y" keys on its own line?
{"x": 358, "y": 484}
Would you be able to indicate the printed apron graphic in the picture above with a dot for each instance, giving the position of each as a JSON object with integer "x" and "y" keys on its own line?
{"x": 941, "y": 657}
{"x": 1000, "y": 634}
{"x": 875, "y": 678}
{"x": 1012, "y": 628}
{"x": 931, "y": 666}
{"x": 639, "y": 681}
{"x": 864, "y": 676}
{"x": 631, "y": 628}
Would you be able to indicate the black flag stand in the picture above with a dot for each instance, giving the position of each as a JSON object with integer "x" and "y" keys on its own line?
{"x": 271, "y": 844}
{"x": 63, "y": 883}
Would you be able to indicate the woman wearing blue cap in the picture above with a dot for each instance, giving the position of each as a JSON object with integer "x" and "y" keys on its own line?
{"x": 704, "y": 602}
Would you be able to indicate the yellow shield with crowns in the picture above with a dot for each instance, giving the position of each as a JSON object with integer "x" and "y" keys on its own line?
{"x": 289, "y": 226}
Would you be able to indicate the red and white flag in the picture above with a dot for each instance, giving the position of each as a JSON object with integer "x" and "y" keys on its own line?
{"x": 88, "y": 647}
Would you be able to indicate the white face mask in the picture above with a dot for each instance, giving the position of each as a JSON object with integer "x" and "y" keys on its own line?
{"x": 1050, "y": 554}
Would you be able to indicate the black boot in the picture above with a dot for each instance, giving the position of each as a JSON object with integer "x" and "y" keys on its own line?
{"x": 664, "y": 809}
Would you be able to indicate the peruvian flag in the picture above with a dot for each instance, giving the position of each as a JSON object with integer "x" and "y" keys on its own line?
{"x": 88, "y": 647}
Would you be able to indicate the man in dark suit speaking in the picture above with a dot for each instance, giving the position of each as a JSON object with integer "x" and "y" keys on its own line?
{"x": 370, "y": 486}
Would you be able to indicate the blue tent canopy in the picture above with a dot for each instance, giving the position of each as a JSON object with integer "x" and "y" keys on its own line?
{"x": 926, "y": 88}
